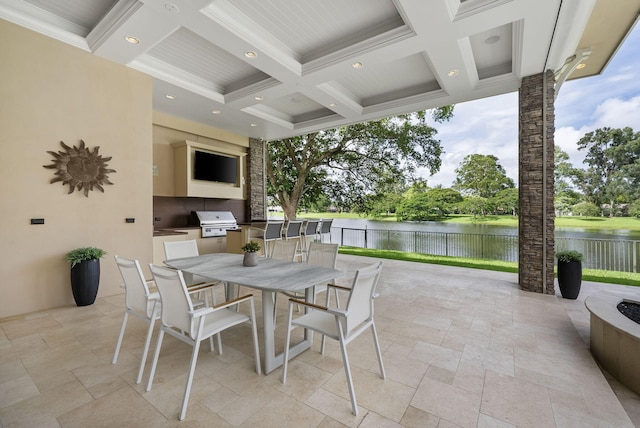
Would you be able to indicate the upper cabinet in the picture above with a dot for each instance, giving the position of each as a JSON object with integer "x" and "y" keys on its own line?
{"x": 206, "y": 171}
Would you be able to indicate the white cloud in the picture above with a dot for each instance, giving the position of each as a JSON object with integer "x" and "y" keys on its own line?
{"x": 490, "y": 125}
{"x": 617, "y": 113}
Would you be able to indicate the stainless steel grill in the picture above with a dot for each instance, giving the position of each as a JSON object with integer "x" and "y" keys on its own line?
{"x": 216, "y": 223}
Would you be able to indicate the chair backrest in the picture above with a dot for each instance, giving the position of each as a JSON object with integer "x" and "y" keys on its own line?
{"x": 284, "y": 250}
{"x": 273, "y": 230}
{"x": 323, "y": 255}
{"x": 176, "y": 303}
{"x": 180, "y": 249}
{"x": 325, "y": 225}
{"x": 293, "y": 229}
{"x": 136, "y": 289}
{"x": 311, "y": 227}
{"x": 360, "y": 304}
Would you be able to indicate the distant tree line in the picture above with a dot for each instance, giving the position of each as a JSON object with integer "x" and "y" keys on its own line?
{"x": 369, "y": 169}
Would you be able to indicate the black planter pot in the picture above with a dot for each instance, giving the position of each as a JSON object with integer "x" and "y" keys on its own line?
{"x": 85, "y": 278}
{"x": 570, "y": 279}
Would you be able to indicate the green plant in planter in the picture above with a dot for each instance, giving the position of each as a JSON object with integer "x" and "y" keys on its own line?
{"x": 85, "y": 273}
{"x": 569, "y": 273}
{"x": 85, "y": 253}
{"x": 251, "y": 247}
{"x": 569, "y": 256}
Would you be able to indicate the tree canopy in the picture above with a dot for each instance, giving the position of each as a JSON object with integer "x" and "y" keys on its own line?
{"x": 613, "y": 166}
{"x": 352, "y": 161}
{"x": 481, "y": 175}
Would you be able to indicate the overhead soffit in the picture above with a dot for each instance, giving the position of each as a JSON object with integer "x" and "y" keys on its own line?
{"x": 605, "y": 31}
{"x": 415, "y": 55}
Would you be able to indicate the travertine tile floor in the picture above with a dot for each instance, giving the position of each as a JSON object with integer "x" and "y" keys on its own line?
{"x": 462, "y": 348}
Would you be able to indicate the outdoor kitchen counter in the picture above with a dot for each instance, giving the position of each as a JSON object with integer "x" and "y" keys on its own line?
{"x": 168, "y": 232}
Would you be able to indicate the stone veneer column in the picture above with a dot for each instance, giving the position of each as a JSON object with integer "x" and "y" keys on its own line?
{"x": 257, "y": 185}
{"x": 535, "y": 182}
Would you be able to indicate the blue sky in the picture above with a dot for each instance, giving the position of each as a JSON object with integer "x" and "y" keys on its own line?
{"x": 490, "y": 125}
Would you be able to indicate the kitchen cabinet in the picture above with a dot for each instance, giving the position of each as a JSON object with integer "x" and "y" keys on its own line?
{"x": 205, "y": 245}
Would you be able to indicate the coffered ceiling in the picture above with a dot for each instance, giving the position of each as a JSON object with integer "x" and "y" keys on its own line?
{"x": 275, "y": 68}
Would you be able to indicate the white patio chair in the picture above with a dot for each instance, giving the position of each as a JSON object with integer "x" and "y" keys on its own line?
{"x": 309, "y": 234}
{"x": 140, "y": 303}
{"x": 343, "y": 325}
{"x": 322, "y": 255}
{"x": 195, "y": 283}
{"x": 192, "y": 326}
{"x": 282, "y": 250}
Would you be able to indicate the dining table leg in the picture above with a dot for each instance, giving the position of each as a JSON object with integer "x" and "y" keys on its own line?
{"x": 271, "y": 361}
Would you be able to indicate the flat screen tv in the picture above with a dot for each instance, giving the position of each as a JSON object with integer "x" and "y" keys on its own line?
{"x": 212, "y": 167}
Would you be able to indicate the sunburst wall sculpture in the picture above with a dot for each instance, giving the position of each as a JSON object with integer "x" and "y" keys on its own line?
{"x": 80, "y": 168}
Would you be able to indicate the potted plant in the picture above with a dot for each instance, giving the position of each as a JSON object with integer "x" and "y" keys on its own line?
{"x": 250, "y": 249}
{"x": 85, "y": 273}
{"x": 569, "y": 273}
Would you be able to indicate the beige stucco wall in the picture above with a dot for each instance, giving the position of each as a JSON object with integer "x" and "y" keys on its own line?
{"x": 52, "y": 92}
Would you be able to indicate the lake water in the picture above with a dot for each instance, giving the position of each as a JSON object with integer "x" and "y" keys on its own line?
{"x": 602, "y": 249}
{"x": 485, "y": 229}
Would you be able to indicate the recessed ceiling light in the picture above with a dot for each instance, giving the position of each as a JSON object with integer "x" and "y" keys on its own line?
{"x": 453, "y": 72}
{"x": 357, "y": 65}
{"x": 250, "y": 54}
{"x": 216, "y": 111}
{"x": 258, "y": 98}
{"x": 171, "y": 7}
{"x": 491, "y": 40}
{"x": 333, "y": 105}
{"x": 581, "y": 66}
{"x": 253, "y": 124}
{"x": 132, "y": 40}
{"x": 171, "y": 97}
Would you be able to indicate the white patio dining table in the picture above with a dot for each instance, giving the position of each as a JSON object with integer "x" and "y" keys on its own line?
{"x": 268, "y": 276}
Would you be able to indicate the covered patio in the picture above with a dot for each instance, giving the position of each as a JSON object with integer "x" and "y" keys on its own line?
{"x": 462, "y": 348}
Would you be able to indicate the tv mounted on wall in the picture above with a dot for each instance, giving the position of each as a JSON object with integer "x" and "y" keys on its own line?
{"x": 212, "y": 167}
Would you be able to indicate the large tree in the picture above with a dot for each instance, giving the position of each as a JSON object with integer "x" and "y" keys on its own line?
{"x": 613, "y": 166}
{"x": 352, "y": 160}
{"x": 481, "y": 175}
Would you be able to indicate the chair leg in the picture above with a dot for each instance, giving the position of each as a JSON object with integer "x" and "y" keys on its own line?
{"x": 347, "y": 371}
{"x": 147, "y": 342}
{"x": 156, "y": 354}
{"x": 254, "y": 332}
{"x": 117, "y": 352}
{"x": 285, "y": 362}
{"x": 187, "y": 389}
{"x": 377, "y": 343}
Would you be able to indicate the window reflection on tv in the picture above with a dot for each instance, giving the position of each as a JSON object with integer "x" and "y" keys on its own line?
{"x": 213, "y": 167}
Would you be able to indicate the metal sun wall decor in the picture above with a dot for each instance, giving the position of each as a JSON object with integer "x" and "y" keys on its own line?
{"x": 80, "y": 168}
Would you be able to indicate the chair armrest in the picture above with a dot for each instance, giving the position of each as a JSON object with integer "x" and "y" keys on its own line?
{"x": 201, "y": 286}
{"x": 232, "y": 302}
{"x": 339, "y": 287}
{"x": 201, "y": 312}
{"x": 311, "y": 305}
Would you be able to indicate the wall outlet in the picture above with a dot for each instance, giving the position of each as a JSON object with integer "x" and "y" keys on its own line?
{"x": 130, "y": 220}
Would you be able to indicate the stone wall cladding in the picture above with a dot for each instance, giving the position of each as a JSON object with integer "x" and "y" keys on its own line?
{"x": 257, "y": 186}
{"x": 536, "y": 163}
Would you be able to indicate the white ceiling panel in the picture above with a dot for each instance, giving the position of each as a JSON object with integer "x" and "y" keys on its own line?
{"x": 416, "y": 54}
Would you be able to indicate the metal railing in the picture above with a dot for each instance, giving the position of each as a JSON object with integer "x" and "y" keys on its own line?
{"x": 607, "y": 254}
